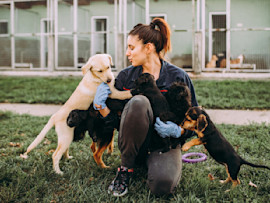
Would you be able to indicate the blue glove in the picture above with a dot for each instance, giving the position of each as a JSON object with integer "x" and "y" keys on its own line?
{"x": 103, "y": 91}
{"x": 168, "y": 129}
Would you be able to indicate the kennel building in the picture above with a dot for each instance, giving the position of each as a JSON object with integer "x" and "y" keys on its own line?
{"x": 207, "y": 35}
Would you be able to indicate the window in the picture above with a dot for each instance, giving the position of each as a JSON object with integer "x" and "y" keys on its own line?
{"x": 99, "y": 42}
{"x": 163, "y": 16}
{"x": 3, "y": 27}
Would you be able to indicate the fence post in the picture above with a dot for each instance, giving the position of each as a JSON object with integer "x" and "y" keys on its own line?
{"x": 120, "y": 52}
{"x": 198, "y": 53}
{"x": 50, "y": 53}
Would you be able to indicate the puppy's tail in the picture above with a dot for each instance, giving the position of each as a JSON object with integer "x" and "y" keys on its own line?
{"x": 254, "y": 165}
{"x": 39, "y": 138}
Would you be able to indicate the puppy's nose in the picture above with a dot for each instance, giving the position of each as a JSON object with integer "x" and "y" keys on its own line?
{"x": 109, "y": 80}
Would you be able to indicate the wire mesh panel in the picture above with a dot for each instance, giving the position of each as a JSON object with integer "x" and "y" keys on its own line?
{"x": 84, "y": 36}
{"x": 65, "y": 36}
{"x": 5, "y": 41}
{"x": 28, "y": 25}
{"x": 219, "y": 37}
{"x": 27, "y": 52}
{"x": 215, "y": 24}
{"x": 250, "y": 35}
{"x": 245, "y": 38}
{"x": 5, "y": 52}
{"x": 135, "y": 13}
{"x": 182, "y": 49}
{"x": 179, "y": 15}
{"x": 65, "y": 51}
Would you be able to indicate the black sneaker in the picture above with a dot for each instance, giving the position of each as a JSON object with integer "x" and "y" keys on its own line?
{"x": 119, "y": 185}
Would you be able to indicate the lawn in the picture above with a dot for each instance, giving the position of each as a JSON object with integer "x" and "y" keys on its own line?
{"x": 214, "y": 94}
{"x": 33, "y": 180}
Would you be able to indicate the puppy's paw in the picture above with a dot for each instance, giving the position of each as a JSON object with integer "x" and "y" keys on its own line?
{"x": 24, "y": 156}
{"x": 110, "y": 150}
{"x": 222, "y": 181}
{"x": 102, "y": 165}
{"x": 59, "y": 172}
{"x": 69, "y": 157}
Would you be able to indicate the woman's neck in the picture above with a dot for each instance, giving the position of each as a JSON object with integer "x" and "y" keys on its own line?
{"x": 153, "y": 67}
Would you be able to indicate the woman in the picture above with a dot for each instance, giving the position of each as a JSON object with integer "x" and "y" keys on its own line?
{"x": 147, "y": 44}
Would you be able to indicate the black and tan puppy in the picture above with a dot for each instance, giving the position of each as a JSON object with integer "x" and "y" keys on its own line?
{"x": 100, "y": 130}
{"x": 146, "y": 85}
{"x": 215, "y": 143}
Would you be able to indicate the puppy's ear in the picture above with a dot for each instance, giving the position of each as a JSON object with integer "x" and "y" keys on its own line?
{"x": 110, "y": 58}
{"x": 87, "y": 66}
{"x": 201, "y": 123}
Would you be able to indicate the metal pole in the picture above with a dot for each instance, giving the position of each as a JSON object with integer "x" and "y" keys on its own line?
{"x": 125, "y": 33}
{"x": 133, "y": 13}
{"x": 55, "y": 32}
{"x": 228, "y": 34}
{"x": 120, "y": 15}
{"x": 198, "y": 15}
{"x": 51, "y": 39}
{"x": 203, "y": 33}
{"x": 75, "y": 30}
{"x": 12, "y": 30}
{"x": 115, "y": 36}
{"x": 193, "y": 34}
{"x": 147, "y": 19}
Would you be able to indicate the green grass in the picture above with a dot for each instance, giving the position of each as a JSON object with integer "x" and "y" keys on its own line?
{"x": 47, "y": 90}
{"x": 233, "y": 94}
{"x": 33, "y": 180}
{"x": 215, "y": 94}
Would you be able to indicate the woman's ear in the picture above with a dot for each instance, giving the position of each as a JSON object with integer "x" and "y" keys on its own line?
{"x": 149, "y": 48}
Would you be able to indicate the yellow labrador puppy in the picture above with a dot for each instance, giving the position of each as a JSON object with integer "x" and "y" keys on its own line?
{"x": 95, "y": 71}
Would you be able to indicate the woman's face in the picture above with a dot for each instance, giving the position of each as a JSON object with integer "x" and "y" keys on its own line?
{"x": 136, "y": 51}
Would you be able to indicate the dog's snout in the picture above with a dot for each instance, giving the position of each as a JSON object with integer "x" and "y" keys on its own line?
{"x": 70, "y": 123}
{"x": 109, "y": 80}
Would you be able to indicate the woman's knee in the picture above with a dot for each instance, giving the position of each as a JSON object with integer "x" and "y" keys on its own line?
{"x": 162, "y": 186}
{"x": 164, "y": 171}
{"x": 140, "y": 106}
{"x": 138, "y": 102}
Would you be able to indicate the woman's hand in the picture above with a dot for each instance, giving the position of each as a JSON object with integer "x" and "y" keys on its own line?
{"x": 168, "y": 129}
{"x": 103, "y": 91}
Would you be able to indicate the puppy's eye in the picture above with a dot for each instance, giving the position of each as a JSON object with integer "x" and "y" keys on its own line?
{"x": 100, "y": 71}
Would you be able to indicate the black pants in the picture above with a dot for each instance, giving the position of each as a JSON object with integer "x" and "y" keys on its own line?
{"x": 136, "y": 127}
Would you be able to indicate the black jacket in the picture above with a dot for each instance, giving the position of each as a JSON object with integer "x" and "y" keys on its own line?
{"x": 168, "y": 74}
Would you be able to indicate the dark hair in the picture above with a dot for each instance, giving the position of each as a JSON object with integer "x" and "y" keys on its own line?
{"x": 157, "y": 32}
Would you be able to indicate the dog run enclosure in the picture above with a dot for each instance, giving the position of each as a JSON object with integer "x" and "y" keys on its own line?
{"x": 207, "y": 35}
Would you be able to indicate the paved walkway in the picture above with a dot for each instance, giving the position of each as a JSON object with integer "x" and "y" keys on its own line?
{"x": 203, "y": 75}
{"x": 238, "y": 117}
